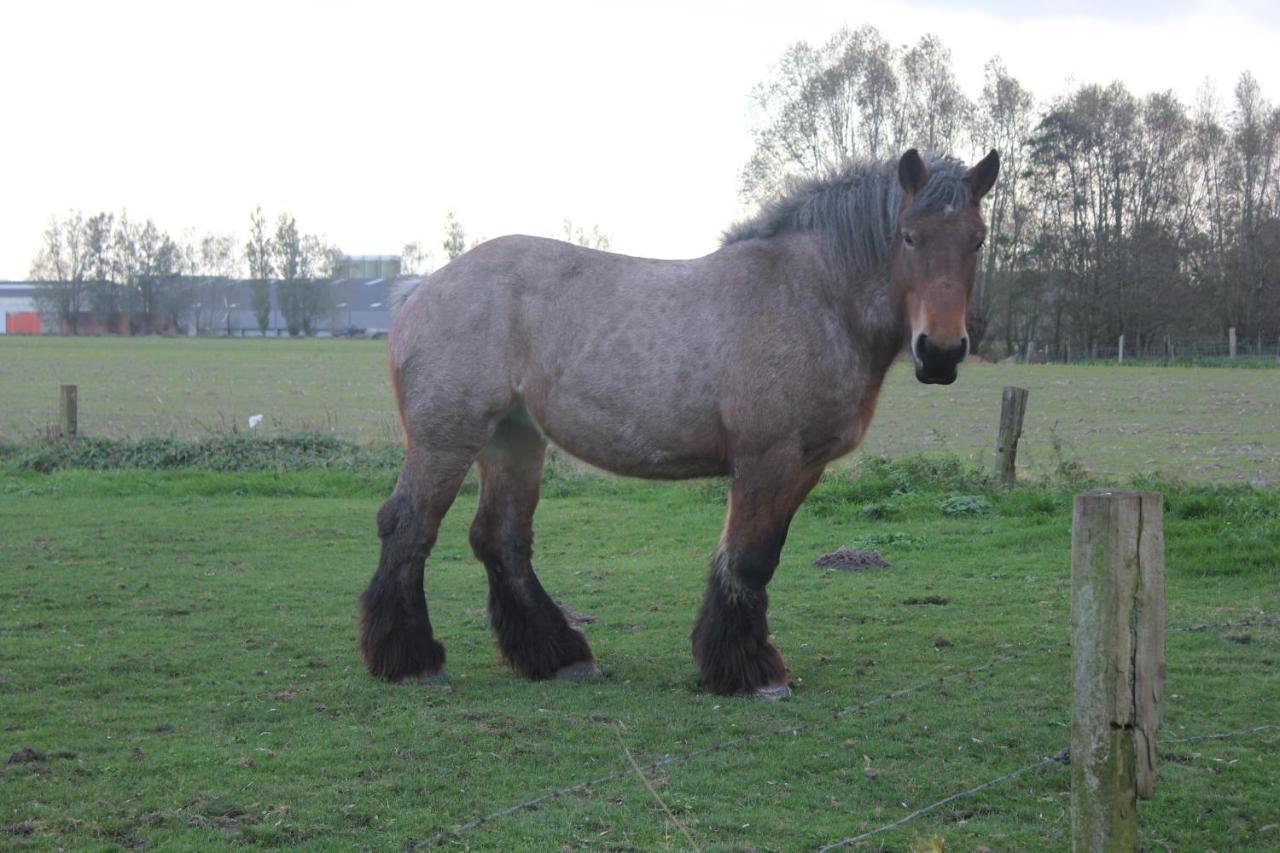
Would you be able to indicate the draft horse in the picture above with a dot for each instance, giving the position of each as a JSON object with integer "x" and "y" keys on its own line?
{"x": 761, "y": 362}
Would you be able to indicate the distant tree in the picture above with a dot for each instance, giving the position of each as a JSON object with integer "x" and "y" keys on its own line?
{"x": 148, "y": 262}
{"x": 60, "y": 267}
{"x": 305, "y": 264}
{"x": 1002, "y": 119}
{"x": 854, "y": 97}
{"x": 455, "y": 236}
{"x": 217, "y": 262}
{"x": 934, "y": 111}
{"x": 258, "y": 252}
{"x": 106, "y": 297}
{"x": 415, "y": 259}
{"x": 593, "y": 239}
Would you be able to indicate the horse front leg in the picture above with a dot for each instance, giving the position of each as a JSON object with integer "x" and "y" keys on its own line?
{"x": 731, "y": 637}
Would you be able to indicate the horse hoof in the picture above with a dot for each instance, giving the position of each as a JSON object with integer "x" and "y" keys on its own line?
{"x": 773, "y": 692}
{"x": 424, "y": 678}
{"x": 583, "y": 671}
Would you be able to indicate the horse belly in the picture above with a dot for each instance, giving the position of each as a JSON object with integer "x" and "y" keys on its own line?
{"x": 634, "y": 434}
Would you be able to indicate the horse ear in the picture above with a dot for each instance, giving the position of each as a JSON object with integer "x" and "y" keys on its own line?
{"x": 982, "y": 177}
{"x": 913, "y": 174}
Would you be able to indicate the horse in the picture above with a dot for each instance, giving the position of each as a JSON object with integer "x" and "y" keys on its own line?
{"x": 760, "y": 362}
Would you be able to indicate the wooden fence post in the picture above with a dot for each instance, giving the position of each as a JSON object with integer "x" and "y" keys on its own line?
{"x": 1121, "y": 358}
{"x": 1013, "y": 405}
{"x": 1031, "y": 350}
{"x": 1117, "y": 663}
{"x": 68, "y": 416}
{"x": 1231, "y": 342}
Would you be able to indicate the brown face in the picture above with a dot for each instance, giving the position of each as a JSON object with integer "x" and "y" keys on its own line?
{"x": 935, "y": 264}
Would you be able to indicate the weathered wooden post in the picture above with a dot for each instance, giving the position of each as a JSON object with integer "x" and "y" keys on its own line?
{"x": 1231, "y": 342}
{"x": 68, "y": 417}
{"x": 1121, "y": 358}
{"x": 1013, "y": 405}
{"x": 1117, "y": 663}
{"x": 1031, "y": 352}
{"x": 1168, "y": 349}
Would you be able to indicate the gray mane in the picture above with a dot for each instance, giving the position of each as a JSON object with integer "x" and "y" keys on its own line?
{"x": 855, "y": 207}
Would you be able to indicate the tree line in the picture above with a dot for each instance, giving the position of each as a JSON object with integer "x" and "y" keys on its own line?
{"x": 133, "y": 277}
{"x": 1115, "y": 213}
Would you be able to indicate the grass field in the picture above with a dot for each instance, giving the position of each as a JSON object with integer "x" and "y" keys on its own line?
{"x": 178, "y": 656}
{"x": 1197, "y": 423}
{"x": 177, "y": 661}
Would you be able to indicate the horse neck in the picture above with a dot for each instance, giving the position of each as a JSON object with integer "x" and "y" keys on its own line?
{"x": 876, "y": 318}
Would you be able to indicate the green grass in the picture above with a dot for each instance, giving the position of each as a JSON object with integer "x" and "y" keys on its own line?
{"x": 178, "y": 645}
{"x": 1195, "y": 423}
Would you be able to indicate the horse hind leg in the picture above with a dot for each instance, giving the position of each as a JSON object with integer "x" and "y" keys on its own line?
{"x": 396, "y": 638}
{"x": 533, "y": 636}
{"x": 731, "y": 637}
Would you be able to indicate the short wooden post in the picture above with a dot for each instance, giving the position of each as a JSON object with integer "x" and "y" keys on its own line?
{"x": 1121, "y": 359}
{"x": 1117, "y": 663}
{"x": 1168, "y": 348}
{"x": 1231, "y": 342}
{"x": 68, "y": 416}
{"x": 1013, "y": 405}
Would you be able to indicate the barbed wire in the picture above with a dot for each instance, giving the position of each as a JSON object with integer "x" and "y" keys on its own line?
{"x": 795, "y": 728}
{"x": 1063, "y": 758}
{"x": 1236, "y": 623}
{"x": 1044, "y": 762}
{"x": 668, "y": 760}
{"x": 1221, "y": 736}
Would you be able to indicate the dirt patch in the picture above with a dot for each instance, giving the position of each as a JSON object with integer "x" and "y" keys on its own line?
{"x": 852, "y": 560}
{"x": 26, "y": 755}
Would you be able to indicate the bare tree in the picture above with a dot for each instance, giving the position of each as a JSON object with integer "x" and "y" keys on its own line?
{"x": 1003, "y": 118}
{"x": 593, "y": 239}
{"x": 415, "y": 259}
{"x": 455, "y": 236}
{"x": 853, "y": 97}
{"x": 259, "y": 256}
{"x": 60, "y": 267}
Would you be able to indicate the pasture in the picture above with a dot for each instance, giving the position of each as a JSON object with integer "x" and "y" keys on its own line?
{"x": 178, "y": 665}
{"x": 1216, "y": 424}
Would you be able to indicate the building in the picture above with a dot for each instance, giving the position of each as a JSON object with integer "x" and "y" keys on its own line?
{"x": 18, "y": 308}
{"x": 368, "y": 266}
{"x": 357, "y": 305}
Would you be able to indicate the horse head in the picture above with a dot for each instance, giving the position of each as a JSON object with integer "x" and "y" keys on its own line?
{"x": 935, "y": 260}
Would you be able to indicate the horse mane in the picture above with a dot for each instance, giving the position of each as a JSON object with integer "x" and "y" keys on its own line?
{"x": 855, "y": 208}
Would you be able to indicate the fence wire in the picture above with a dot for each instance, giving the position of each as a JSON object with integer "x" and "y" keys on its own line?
{"x": 650, "y": 768}
{"x": 1062, "y": 758}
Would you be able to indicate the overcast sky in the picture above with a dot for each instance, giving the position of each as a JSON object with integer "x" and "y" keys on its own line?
{"x": 369, "y": 120}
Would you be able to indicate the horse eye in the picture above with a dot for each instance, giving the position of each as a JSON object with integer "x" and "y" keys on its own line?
{"x": 908, "y": 239}
{"x": 978, "y": 248}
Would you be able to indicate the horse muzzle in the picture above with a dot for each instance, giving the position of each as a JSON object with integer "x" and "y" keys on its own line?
{"x": 936, "y": 361}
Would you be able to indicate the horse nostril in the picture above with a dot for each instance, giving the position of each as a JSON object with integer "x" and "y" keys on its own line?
{"x": 918, "y": 350}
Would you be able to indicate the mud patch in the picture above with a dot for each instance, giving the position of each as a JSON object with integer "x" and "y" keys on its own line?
{"x": 26, "y": 755}
{"x": 852, "y": 560}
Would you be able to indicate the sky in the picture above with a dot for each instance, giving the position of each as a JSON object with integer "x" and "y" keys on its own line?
{"x": 369, "y": 120}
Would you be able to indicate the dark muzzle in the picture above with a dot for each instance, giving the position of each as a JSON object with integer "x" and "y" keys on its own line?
{"x": 936, "y": 364}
